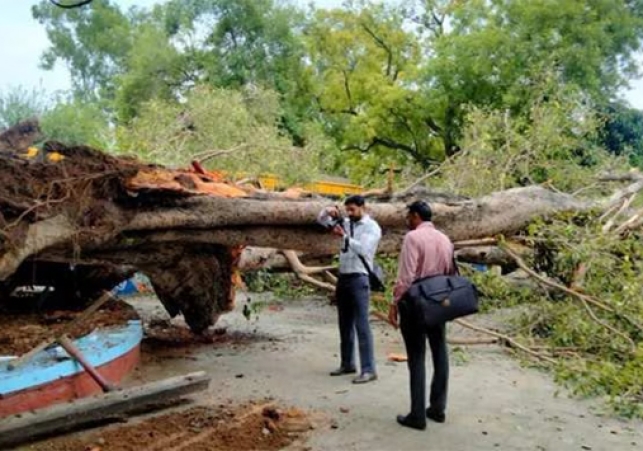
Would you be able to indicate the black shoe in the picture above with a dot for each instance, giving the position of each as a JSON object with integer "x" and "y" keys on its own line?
{"x": 412, "y": 423}
{"x": 342, "y": 371}
{"x": 435, "y": 416}
{"x": 365, "y": 378}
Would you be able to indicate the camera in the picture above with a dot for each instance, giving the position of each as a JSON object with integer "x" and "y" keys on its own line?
{"x": 329, "y": 222}
{"x": 338, "y": 221}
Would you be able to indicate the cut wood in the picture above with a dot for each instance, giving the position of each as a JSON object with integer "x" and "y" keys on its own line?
{"x": 625, "y": 205}
{"x": 77, "y": 414}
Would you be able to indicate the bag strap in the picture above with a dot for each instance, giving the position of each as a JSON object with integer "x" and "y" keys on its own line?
{"x": 361, "y": 257}
{"x": 456, "y": 270}
{"x": 366, "y": 265}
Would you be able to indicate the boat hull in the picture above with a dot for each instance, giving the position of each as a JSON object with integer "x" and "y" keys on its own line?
{"x": 55, "y": 378}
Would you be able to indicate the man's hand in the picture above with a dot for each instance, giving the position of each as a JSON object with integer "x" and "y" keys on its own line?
{"x": 339, "y": 231}
{"x": 333, "y": 212}
{"x": 393, "y": 315}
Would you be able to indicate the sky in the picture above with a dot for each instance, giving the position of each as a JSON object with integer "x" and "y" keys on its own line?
{"x": 22, "y": 41}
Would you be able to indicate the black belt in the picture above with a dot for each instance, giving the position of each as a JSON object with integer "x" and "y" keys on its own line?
{"x": 352, "y": 275}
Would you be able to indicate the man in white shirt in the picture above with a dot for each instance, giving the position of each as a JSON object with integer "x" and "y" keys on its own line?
{"x": 360, "y": 237}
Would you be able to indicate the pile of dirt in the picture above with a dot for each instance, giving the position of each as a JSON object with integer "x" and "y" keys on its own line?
{"x": 163, "y": 334}
{"x": 20, "y": 333}
{"x": 253, "y": 426}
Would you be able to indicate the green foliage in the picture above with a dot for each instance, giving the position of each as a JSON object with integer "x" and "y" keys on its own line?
{"x": 77, "y": 122}
{"x": 283, "y": 286}
{"x": 595, "y": 361}
{"x": 622, "y": 132}
{"x": 490, "y": 52}
{"x": 92, "y": 42}
{"x": 155, "y": 70}
{"x": 18, "y": 103}
{"x": 388, "y": 84}
{"x": 498, "y": 293}
{"x": 71, "y": 121}
{"x": 365, "y": 71}
{"x": 242, "y": 126}
{"x": 553, "y": 143}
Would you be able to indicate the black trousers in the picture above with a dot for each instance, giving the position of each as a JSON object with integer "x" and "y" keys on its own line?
{"x": 415, "y": 341}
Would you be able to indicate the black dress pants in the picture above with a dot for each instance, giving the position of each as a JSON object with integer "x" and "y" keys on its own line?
{"x": 415, "y": 338}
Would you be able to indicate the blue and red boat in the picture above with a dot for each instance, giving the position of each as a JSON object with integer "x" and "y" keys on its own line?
{"x": 53, "y": 376}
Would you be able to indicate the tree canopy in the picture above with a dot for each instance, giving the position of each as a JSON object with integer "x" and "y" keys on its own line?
{"x": 388, "y": 83}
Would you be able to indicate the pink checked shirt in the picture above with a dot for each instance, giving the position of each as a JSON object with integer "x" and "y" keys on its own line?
{"x": 425, "y": 252}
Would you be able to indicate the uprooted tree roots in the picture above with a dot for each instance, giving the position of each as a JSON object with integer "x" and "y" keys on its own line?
{"x": 93, "y": 219}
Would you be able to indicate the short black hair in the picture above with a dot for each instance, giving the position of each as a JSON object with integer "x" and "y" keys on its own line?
{"x": 355, "y": 200}
{"x": 422, "y": 209}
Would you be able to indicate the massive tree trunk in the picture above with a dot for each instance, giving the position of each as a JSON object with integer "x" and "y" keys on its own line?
{"x": 255, "y": 220}
{"x": 179, "y": 229}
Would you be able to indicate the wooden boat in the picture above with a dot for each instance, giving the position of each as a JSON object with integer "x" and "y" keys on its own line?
{"x": 52, "y": 376}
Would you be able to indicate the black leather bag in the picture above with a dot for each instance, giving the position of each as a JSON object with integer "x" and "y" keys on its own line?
{"x": 375, "y": 276}
{"x": 438, "y": 299}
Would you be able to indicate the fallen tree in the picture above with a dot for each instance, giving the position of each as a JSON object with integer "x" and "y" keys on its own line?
{"x": 93, "y": 214}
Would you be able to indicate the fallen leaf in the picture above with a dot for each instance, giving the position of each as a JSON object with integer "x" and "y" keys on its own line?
{"x": 397, "y": 357}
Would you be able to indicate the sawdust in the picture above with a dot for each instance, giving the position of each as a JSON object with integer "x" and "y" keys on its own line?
{"x": 20, "y": 333}
{"x": 257, "y": 426}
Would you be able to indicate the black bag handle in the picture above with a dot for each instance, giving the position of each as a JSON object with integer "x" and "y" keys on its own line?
{"x": 366, "y": 265}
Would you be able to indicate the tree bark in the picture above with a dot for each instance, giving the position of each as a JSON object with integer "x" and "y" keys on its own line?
{"x": 499, "y": 213}
{"x": 490, "y": 255}
{"x": 87, "y": 211}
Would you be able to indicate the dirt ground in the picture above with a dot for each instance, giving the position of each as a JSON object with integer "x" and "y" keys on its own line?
{"x": 256, "y": 426}
{"x": 286, "y": 354}
{"x": 19, "y": 333}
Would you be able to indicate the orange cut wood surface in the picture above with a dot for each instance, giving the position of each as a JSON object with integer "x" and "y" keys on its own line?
{"x": 182, "y": 181}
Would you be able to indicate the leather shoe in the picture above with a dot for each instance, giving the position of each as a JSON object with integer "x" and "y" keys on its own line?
{"x": 412, "y": 423}
{"x": 435, "y": 416}
{"x": 342, "y": 371}
{"x": 365, "y": 378}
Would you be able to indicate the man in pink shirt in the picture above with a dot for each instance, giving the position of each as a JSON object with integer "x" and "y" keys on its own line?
{"x": 425, "y": 252}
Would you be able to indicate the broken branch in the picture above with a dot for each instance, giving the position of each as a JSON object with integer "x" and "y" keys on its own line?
{"x": 586, "y": 300}
{"x": 506, "y": 339}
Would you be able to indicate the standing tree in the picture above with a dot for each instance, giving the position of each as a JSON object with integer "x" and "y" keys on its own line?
{"x": 492, "y": 54}
{"x": 92, "y": 42}
{"x": 366, "y": 85}
{"x": 622, "y": 131}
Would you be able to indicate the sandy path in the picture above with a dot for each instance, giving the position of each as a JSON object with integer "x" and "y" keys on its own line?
{"x": 494, "y": 403}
